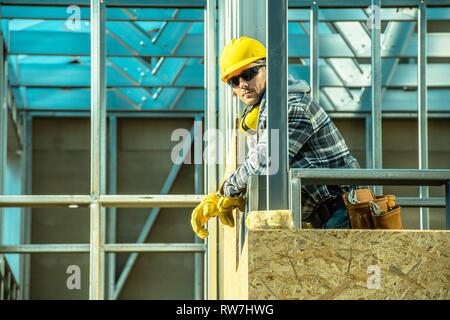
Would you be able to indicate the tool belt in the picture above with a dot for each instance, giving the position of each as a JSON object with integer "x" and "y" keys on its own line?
{"x": 367, "y": 211}
{"x": 323, "y": 211}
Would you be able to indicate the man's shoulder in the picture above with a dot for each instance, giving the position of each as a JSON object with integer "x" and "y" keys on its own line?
{"x": 298, "y": 99}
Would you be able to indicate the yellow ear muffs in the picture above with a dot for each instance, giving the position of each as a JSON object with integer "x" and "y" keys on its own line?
{"x": 249, "y": 121}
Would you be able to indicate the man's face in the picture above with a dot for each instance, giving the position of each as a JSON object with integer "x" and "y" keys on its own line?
{"x": 250, "y": 91}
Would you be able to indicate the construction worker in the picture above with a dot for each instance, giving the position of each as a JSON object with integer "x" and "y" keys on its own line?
{"x": 314, "y": 142}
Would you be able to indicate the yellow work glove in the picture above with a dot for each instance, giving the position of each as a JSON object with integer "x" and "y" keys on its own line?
{"x": 202, "y": 213}
{"x": 226, "y": 206}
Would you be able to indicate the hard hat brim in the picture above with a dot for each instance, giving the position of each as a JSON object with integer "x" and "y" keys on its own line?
{"x": 238, "y": 66}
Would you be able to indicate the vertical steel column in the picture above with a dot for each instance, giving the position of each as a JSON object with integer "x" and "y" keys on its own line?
{"x": 422, "y": 106}
{"x": 377, "y": 155}
{"x": 277, "y": 183}
{"x": 198, "y": 257}
{"x": 447, "y": 204}
{"x": 368, "y": 140}
{"x": 3, "y": 126}
{"x": 3, "y": 150}
{"x": 98, "y": 149}
{"x": 314, "y": 51}
{"x": 222, "y": 90}
{"x": 112, "y": 189}
{"x": 211, "y": 165}
{"x": 250, "y": 24}
{"x": 296, "y": 201}
{"x": 27, "y": 176}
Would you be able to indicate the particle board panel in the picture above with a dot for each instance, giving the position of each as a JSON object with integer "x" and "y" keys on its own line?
{"x": 348, "y": 264}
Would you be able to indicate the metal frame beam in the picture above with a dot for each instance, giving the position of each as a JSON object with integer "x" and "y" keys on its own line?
{"x": 151, "y": 114}
{"x": 422, "y": 107}
{"x": 402, "y": 177}
{"x": 203, "y": 3}
{"x": 447, "y": 204}
{"x": 98, "y": 149}
{"x": 10, "y": 12}
{"x": 211, "y": 261}
{"x": 434, "y": 202}
{"x": 117, "y": 247}
{"x": 198, "y": 189}
{"x": 377, "y": 142}
{"x": 277, "y": 118}
{"x": 314, "y": 51}
{"x": 114, "y": 3}
{"x": 3, "y": 124}
{"x": 107, "y": 201}
{"x": 27, "y": 172}
{"x": 150, "y": 201}
{"x": 112, "y": 212}
{"x": 363, "y": 3}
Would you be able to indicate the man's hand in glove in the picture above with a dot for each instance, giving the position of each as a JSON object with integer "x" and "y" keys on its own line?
{"x": 226, "y": 206}
{"x": 203, "y": 212}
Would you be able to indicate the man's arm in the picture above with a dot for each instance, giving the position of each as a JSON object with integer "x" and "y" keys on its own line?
{"x": 300, "y": 129}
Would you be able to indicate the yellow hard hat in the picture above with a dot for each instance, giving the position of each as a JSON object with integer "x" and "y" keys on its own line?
{"x": 238, "y": 53}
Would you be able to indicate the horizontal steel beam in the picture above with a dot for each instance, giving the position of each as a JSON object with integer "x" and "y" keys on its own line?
{"x": 404, "y": 76}
{"x": 363, "y": 3}
{"x": 146, "y": 114}
{"x": 155, "y": 247}
{"x": 153, "y": 201}
{"x": 150, "y": 201}
{"x": 47, "y": 201}
{"x": 61, "y": 43}
{"x": 125, "y": 3}
{"x": 394, "y": 100}
{"x": 421, "y": 202}
{"x": 112, "y": 14}
{"x": 192, "y": 15}
{"x": 334, "y": 46}
{"x": 169, "y": 99}
{"x": 118, "y": 201}
{"x": 359, "y": 14}
{"x": 361, "y": 114}
{"x": 202, "y": 3}
{"x": 57, "y": 43}
{"x": 45, "y": 248}
{"x": 84, "y": 248}
{"x": 399, "y": 177}
{"x": 50, "y": 76}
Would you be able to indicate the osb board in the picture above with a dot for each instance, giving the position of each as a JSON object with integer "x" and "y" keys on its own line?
{"x": 342, "y": 264}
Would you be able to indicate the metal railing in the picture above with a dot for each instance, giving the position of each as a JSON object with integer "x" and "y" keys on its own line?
{"x": 396, "y": 177}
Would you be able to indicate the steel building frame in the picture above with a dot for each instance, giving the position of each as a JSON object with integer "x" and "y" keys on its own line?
{"x": 99, "y": 198}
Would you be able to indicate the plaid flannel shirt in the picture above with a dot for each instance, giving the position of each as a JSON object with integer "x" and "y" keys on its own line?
{"x": 314, "y": 142}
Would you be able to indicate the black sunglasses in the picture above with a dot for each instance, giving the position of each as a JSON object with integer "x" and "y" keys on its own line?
{"x": 247, "y": 75}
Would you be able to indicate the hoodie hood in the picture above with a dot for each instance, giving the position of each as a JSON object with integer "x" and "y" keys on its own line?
{"x": 297, "y": 86}
{"x": 294, "y": 86}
